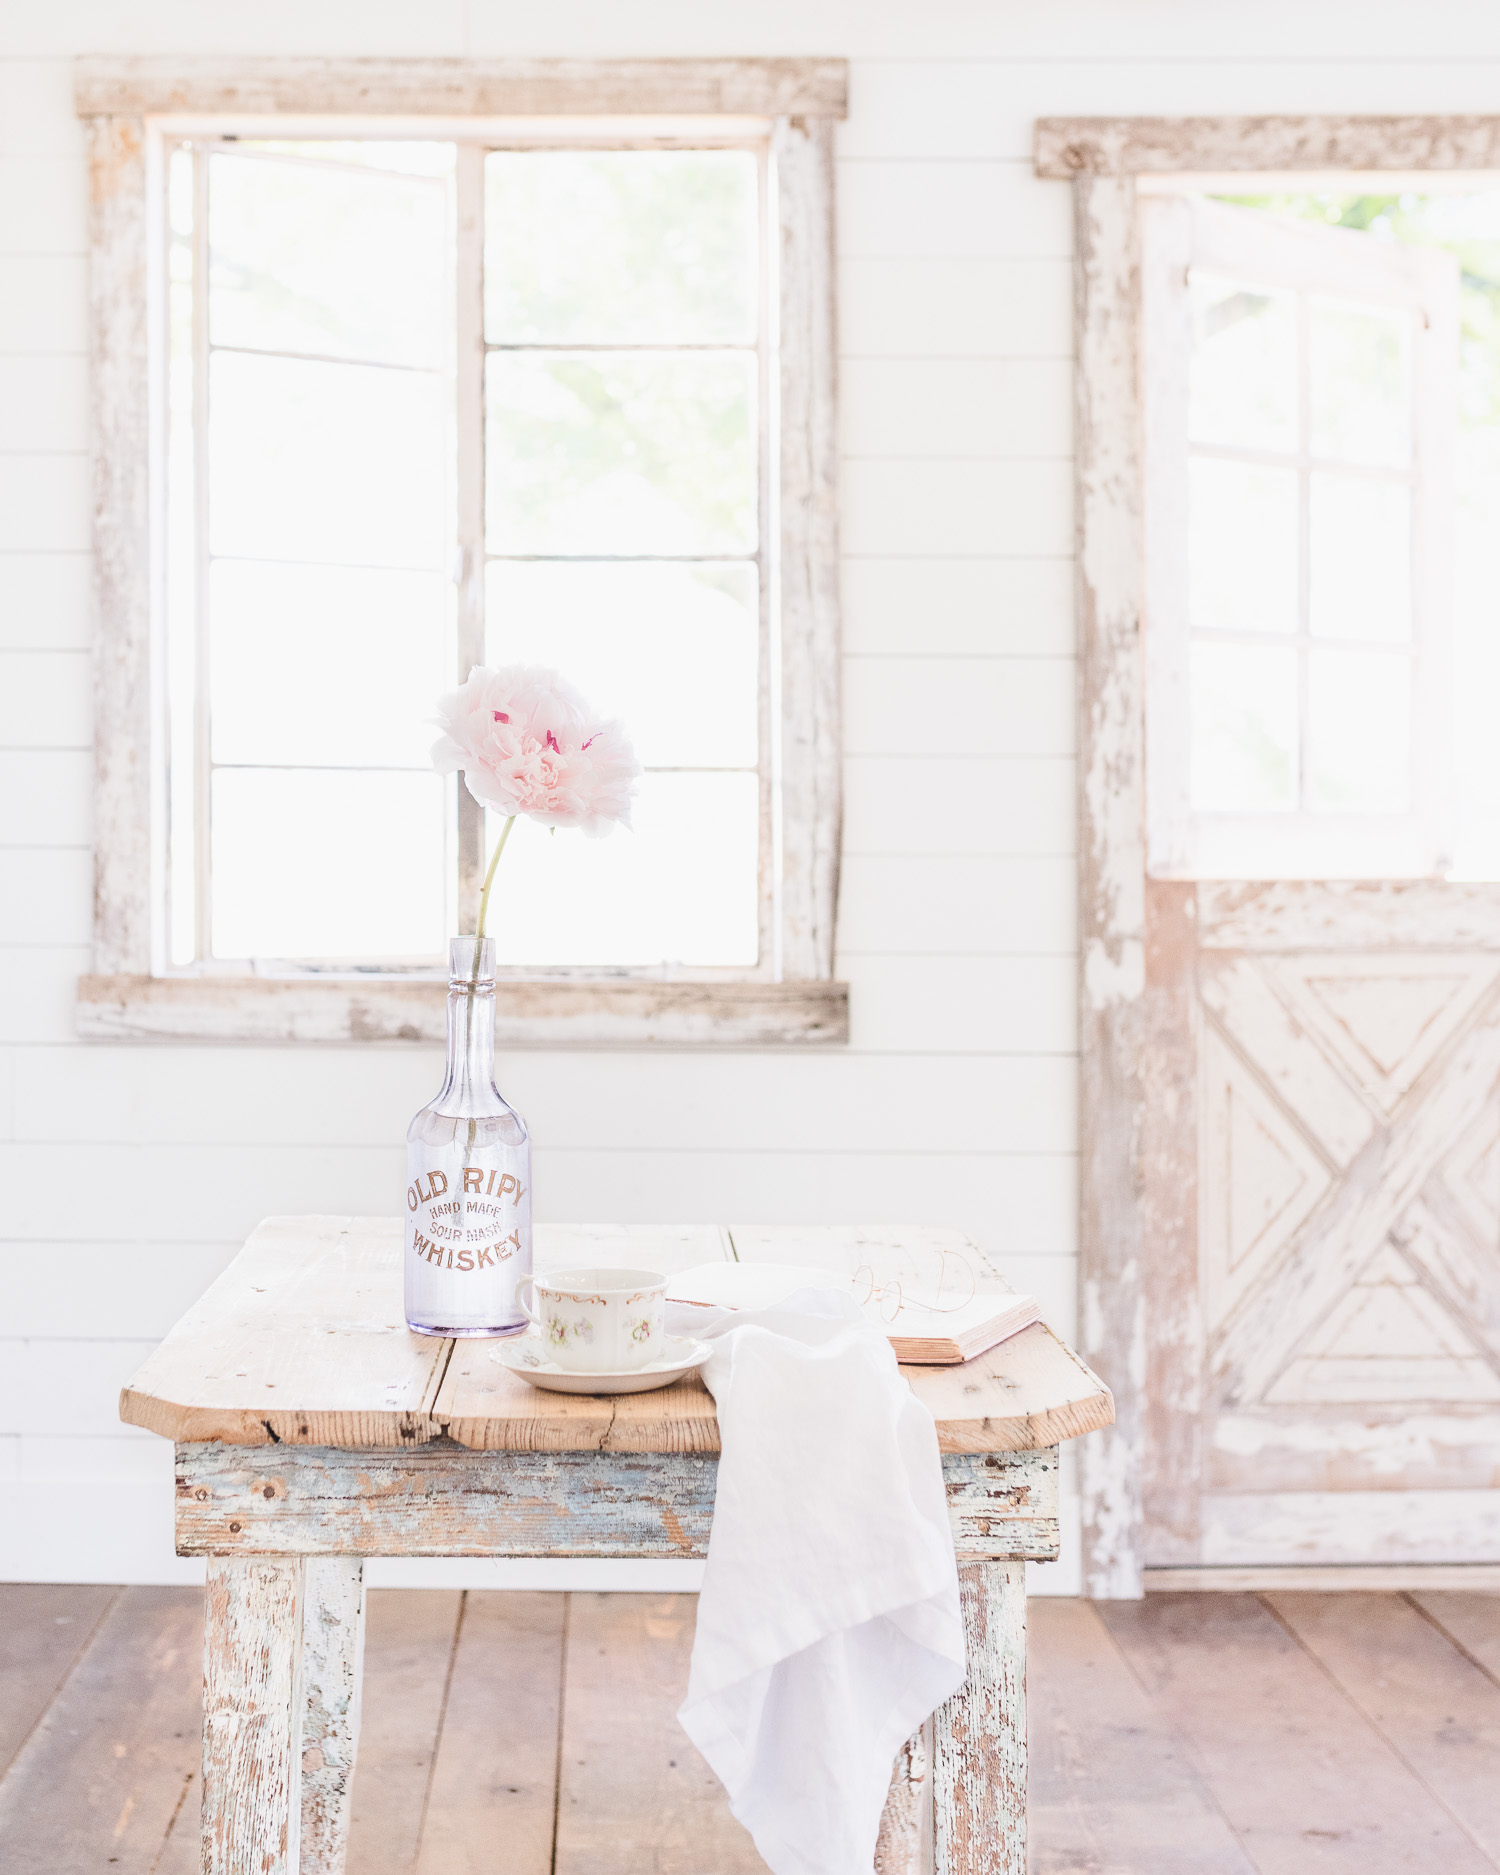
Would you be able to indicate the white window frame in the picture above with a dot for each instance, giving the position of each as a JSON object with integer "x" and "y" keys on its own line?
{"x": 1181, "y": 231}
{"x": 785, "y": 107}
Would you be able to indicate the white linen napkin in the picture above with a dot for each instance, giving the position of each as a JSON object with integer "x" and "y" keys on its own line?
{"x": 828, "y": 1622}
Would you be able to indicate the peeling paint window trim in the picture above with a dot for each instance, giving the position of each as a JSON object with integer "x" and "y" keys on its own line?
{"x": 795, "y": 102}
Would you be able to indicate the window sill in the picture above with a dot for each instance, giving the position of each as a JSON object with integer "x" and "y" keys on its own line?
{"x": 624, "y": 1013}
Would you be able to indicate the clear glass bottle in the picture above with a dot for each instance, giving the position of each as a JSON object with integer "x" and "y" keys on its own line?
{"x": 468, "y": 1174}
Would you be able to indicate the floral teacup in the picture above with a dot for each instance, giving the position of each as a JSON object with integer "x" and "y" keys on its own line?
{"x": 597, "y": 1321}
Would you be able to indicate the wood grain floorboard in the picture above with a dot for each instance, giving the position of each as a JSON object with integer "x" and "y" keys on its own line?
{"x": 496, "y": 1771}
{"x": 409, "y": 1636}
{"x": 44, "y": 1627}
{"x": 1470, "y": 1620}
{"x": 1112, "y": 1790}
{"x": 96, "y": 1786}
{"x": 1439, "y": 1711}
{"x": 635, "y": 1798}
{"x": 1294, "y": 1734}
{"x": 182, "y": 1852}
{"x": 1306, "y": 1781}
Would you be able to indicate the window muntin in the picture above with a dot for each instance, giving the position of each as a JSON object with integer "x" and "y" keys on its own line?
{"x": 1456, "y": 218}
{"x": 1299, "y": 415}
{"x": 1301, "y": 478}
{"x": 618, "y": 530}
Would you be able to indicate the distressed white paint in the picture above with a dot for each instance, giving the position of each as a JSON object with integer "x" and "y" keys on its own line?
{"x": 1365, "y": 1206}
{"x": 905, "y": 1845}
{"x": 1111, "y": 864}
{"x": 1347, "y": 1267}
{"x": 944, "y": 554}
{"x": 810, "y": 805}
{"x": 362, "y": 1463}
{"x": 464, "y": 87}
{"x": 1241, "y": 996}
{"x": 1340, "y": 1250}
{"x": 1395, "y": 1527}
{"x": 333, "y": 1642}
{"x": 252, "y": 1716}
{"x": 1298, "y": 915}
{"x": 123, "y": 712}
{"x": 1382, "y": 1578}
{"x": 931, "y": 1118}
{"x": 560, "y": 1014}
{"x": 429, "y": 1500}
{"x": 1262, "y": 1278}
{"x": 1142, "y": 146}
{"x": 283, "y": 1632}
{"x": 979, "y": 1735}
{"x": 299, "y": 1343}
{"x": 127, "y": 102}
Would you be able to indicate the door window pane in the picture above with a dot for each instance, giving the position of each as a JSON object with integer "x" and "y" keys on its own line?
{"x": 671, "y": 650}
{"x": 1358, "y": 369}
{"x": 1244, "y": 369}
{"x": 1244, "y": 728}
{"x": 1360, "y": 545}
{"x": 1341, "y": 425}
{"x": 621, "y": 453}
{"x": 1359, "y": 731}
{"x": 609, "y": 247}
{"x": 1242, "y": 547}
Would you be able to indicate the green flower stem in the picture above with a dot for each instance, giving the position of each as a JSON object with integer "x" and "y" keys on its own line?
{"x": 484, "y": 896}
{"x": 484, "y": 906}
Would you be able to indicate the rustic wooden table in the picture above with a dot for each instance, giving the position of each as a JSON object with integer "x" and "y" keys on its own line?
{"x": 313, "y": 1430}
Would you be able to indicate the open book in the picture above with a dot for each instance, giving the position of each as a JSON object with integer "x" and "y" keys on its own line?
{"x": 924, "y": 1330}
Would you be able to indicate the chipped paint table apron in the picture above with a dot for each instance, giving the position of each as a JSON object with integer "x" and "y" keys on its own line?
{"x": 314, "y": 1430}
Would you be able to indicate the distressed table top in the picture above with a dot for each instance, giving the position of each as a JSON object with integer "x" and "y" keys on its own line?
{"x": 302, "y": 1341}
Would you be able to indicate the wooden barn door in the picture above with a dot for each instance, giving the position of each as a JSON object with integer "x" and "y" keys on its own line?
{"x": 1323, "y": 1212}
{"x": 1322, "y": 1122}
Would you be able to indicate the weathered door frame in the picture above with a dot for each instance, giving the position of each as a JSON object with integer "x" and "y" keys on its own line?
{"x": 1103, "y": 157}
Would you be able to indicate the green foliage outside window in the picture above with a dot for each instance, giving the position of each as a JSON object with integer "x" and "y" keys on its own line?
{"x": 1466, "y": 225}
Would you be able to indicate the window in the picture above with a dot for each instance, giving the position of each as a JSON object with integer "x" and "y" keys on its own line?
{"x": 1300, "y": 410}
{"x": 419, "y": 395}
{"x": 335, "y": 434}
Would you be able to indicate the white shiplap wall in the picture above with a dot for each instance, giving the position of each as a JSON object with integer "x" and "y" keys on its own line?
{"x": 129, "y": 1175}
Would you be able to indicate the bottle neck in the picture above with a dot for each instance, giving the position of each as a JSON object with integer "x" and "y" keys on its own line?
{"x": 469, "y": 1084}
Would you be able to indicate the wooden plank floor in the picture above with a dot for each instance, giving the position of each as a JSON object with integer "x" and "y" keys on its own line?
{"x": 1306, "y": 1734}
{"x": 1286, "y": 1734}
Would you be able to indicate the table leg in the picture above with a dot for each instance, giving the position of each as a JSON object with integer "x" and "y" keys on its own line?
{"x": 979, "y": 1735}
{"x": 333, "y": 1649}
{"x": 252, "y": 1715}
{"x": 905, "y": 1843}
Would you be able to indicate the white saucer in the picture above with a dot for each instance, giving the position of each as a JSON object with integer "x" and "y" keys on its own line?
{"x": 525, "y": 1356}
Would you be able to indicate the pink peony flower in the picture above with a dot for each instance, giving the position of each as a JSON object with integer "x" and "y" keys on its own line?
{"x": 528, "y": 744}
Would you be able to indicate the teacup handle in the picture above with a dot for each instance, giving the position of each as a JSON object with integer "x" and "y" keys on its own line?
{"x": 526, "y": 1300}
